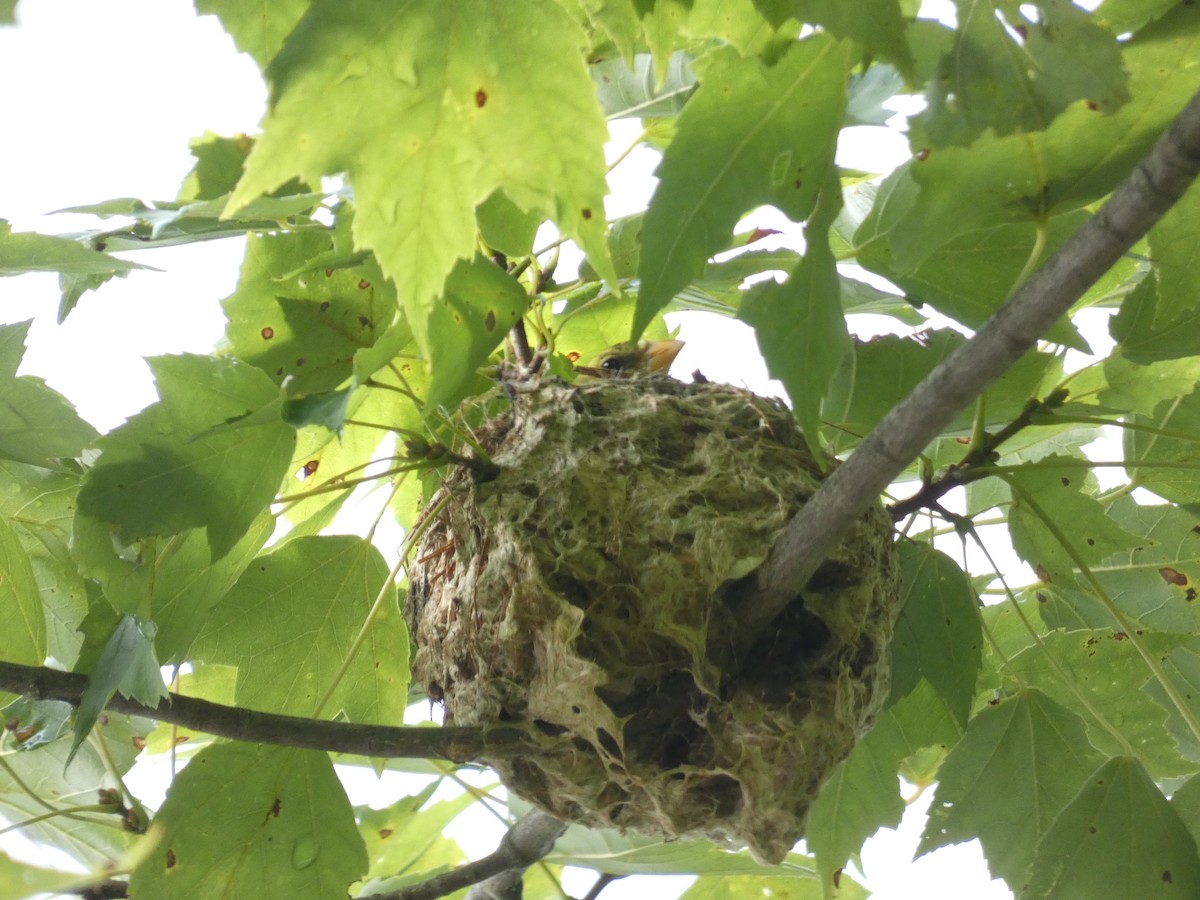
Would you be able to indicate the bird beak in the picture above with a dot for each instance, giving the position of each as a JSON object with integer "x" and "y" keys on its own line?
{"x": 660, "y": 354}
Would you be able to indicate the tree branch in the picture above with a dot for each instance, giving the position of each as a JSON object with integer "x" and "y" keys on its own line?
{"x": 498, "y": 875}
{"x": 967, "y": 470}
{"x": 457, "y": 745}
{"x": 1136, "y": 205}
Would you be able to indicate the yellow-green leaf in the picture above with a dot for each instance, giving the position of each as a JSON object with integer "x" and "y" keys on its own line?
{"x": 22, "y": 620}
{"x": 244, "y": 820}
{"x": 291, "y": 622}
{"x": 429, "y": 106}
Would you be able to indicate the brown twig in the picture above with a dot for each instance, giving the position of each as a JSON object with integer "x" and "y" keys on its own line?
{"x": 520, "y": 344}
{"x": 110, "y": 889}
{"x": 967, "y": 470}
{"x": 382, "y": 741}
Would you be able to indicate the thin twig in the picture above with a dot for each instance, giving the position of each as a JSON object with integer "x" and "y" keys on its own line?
{"x": 984, "y": 453}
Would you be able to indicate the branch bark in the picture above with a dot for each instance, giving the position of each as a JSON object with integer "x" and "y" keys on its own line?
{"x": 1136, "y": 205}
{"x": 498, "y": 875}
{"x": 457, "y": 745}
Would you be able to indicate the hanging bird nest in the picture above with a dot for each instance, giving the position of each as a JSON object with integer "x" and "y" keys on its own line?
{"x": 580, "y": 594}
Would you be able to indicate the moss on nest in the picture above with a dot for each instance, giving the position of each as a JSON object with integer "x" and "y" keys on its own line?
{"x": 580, "y": 594}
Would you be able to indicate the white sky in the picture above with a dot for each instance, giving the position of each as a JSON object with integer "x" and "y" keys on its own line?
{"x": 100, "y": 101}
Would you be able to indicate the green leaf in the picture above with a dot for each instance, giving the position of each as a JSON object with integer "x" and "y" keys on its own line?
{"x": 441, "y": 99}
{"x": 251, "y": 821}
{"x": 799, "y": 324}
{"x": 1186, "y": 802}
{"x": 298, "y": 320}
{"x": 323, "y": 460}
{"x": 172, "y": 580}
{"x": 1155, "y": 581}
{"x": 1168, "y": 464}
{"x": 20, "y": 880}
{"x": 876, "y": 25}
{"x": 1020, "y": 761}
{"x": 863, "y": 795}
{"x": 210, "y": 454}
{"x": 258, "y": 29}
{"x": 38, "y": 722}
{"x": 167, "y": 224}
{"x": 1121, "y": 384}
{"x": 938, "y": 636}
{"x": 39, "y": 505}
{"x": 991, "y": 81}
{"x": 636, "y": 92}
{"x": 723, "y": 887}
{"x": 968, "y": 277}
{"x": 618, "y": 19}
{"x": 1105, "y": 667}
{"x": 668, "y": 24}
{"x": 219, "y": 164}
{"x": 1122, "y": 16}
{"x": 22, "y": 619}
{"x": 751, "y": 135}
{"x": 606, "y": 850}
{"x": 1078, "y": 159}
{"x": 881, "y": 371}
{"x": 868, "y": 93}
{"x": 126, "y": 664}
{"x": 94, "y": 841}
{"x": 481, "y": 304}
{"x": 37, "y": 425}
{"x": 1119, "y": 839}
{"x": 737, "y": 23}
{"x": 1181, "y": 668}
{"x": 407, "y": 836}
{"x": 73, "y": 287}
{"x": 28, "y": 252}
{"x": 1174, "y": 247}
{"x": 1138, "y": 337}
{"x": 505, "y": 227}
{"x": 1053, "y": 488}
{"x": 293, "y": 618}
{"x": 327, "y": 409}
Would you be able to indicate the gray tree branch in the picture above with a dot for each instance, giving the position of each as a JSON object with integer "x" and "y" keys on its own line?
{"x": 1136, "y": 205}
{"x": 498, "y": 875}
{"x": 382, "y": 741}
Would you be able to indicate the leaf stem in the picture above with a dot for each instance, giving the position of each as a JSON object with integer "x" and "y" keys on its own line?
{"x": 1130, "y": 426}
{"x": 101, "y": 745}
{"x": 625, "y": 153}
{"x": 329, "y": 487}
{"x": 1035, "y": 254}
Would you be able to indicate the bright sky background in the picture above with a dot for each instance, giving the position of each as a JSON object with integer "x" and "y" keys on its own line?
{"x": 100, "y": 101}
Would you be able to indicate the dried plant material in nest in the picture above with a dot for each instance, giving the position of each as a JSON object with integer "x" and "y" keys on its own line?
{"x": 580, "y": 594}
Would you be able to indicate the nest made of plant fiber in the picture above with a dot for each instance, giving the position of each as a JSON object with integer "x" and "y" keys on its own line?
{"x": 580, "y": 593}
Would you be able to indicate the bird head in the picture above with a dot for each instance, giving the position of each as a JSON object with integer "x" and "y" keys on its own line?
{"x": 632, "y": 358}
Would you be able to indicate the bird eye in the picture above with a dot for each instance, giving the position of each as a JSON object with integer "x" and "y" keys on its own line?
{"x": 612, "y": 364}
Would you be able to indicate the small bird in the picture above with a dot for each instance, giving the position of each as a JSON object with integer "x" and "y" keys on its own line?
{"x": 632, "y": 358}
